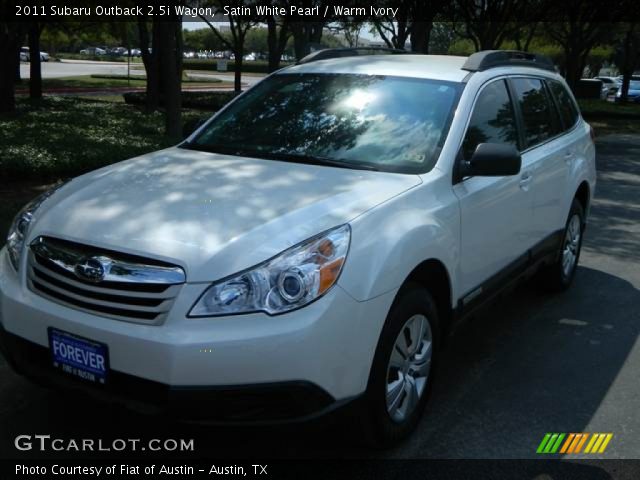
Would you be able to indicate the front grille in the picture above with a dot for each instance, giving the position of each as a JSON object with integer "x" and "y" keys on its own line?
{"x": 128, "y": 288}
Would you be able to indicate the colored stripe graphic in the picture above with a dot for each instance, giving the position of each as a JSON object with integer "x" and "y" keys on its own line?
{"x": 543, "y": 443}
{"x": 567, "y": 443}
{"x": 551, "y": 443}
{"x": 572, "y": 443}
{"x": 604, "y": 445}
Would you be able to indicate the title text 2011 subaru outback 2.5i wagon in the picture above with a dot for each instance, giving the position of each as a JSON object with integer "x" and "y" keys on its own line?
{"x": 309, "y": 245}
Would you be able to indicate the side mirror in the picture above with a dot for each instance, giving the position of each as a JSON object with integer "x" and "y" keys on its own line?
{"x": 492, "y": 160}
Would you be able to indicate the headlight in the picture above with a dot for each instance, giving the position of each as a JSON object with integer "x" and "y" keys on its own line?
{"x": 288, "y": 281}
{"x": 20, "y": 226}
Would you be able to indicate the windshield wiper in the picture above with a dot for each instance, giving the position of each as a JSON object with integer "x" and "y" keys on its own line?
{"x": 283, "y": 156}
{"x": 316, "y": 160}
{"x": 213, "y": 148}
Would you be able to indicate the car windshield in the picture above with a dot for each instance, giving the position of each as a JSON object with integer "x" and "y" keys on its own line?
{"x": 353, "y": 121}
{"x": 634, "y": 85}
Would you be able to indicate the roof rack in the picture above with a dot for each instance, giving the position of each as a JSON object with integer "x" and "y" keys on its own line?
{"x": 328, "y": 53}
{"x": 487, "y": 59}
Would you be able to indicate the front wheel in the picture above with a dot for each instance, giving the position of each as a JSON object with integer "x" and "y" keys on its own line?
{"x": 402, "y": 371}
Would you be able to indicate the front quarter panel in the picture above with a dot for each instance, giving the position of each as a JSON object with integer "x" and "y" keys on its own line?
{"x": 390, "y": 241}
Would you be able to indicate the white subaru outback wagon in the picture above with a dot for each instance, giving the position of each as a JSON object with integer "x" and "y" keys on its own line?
{"x": 309, "y": 245}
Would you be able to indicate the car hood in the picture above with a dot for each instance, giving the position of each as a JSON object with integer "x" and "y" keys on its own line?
{"x": 212, "y": 214}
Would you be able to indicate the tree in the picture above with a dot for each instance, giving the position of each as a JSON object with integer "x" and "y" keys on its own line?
{"x": 395, "y": 31}
{"x": 350, "y": 30}
{"x": 486, "y": 22}
{"x": 628, "y": 56}
{"x": 278, "y": 34}
{"x": 424, "y": 13}
{"x": 35, "y": 64}
{"x": 238, "y": 26}
{"x": 150, "y": 59}
{"x": 413, "y": 22}
{"x": 162, "y": 58}
{"x": 586, "y": 26}
{"x": 170, "y": 60}
{"x": 11, "y": 34}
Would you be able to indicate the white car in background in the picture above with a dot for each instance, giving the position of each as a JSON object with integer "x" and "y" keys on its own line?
{"x": 310, "y": 245}
{"x": 610, "y": 86}
{"x": 25, "y": 56}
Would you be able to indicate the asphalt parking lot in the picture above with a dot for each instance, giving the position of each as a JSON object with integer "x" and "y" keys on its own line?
{"x": 531, "y": 364}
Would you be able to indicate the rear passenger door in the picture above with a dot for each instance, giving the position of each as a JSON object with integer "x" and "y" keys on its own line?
{"x": 546, "y": 153}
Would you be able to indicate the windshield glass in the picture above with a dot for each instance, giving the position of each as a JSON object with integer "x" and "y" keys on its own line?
{"x": 634, "y": 85}
{"x": 354, "y": 121}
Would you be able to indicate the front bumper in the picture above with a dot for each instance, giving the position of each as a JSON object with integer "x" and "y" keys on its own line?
{"x": 292, "y": 365}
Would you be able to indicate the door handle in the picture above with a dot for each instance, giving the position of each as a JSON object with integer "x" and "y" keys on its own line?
{"x": 525, "y": 180}
{"x": 568, "y": 156}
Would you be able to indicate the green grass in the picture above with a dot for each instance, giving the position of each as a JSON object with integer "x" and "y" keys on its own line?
{"x": 606, "y": 126}
{"x": 64, "y": 136}
{"x": 593, "y": 108}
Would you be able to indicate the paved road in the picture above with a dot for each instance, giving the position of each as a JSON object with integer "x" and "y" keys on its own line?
{"x": 532, "y": 364}
{"x": 69, "y": 68}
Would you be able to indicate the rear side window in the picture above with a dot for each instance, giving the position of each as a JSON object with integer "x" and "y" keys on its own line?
{"x": 568, "y": 110}
{"x": 538, "y": 113}
{"x": 492, "y": 121}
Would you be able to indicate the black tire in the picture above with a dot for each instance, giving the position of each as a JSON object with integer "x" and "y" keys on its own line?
{"x": 555, "y": 277}
{"x": 380, "y": 430}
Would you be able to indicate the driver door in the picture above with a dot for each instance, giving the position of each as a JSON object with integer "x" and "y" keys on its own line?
{"x": 496, "y": 212}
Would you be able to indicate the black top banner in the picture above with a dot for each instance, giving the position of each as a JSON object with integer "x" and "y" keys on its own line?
{"x": 489, "y": 11}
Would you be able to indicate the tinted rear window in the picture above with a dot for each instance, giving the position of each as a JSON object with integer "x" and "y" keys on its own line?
{"x": 568, "y": 110}
{"x": 538, "y": 113}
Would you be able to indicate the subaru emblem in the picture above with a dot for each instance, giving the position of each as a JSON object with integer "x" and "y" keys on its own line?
{"x": 93, "y": 269}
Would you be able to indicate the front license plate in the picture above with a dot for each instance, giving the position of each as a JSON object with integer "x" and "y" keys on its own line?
{"x": 79, "y": 356}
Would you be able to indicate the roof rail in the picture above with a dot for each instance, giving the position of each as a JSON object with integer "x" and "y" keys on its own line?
{"x": 328, "y": 53}
{"x": 487, "y": 59}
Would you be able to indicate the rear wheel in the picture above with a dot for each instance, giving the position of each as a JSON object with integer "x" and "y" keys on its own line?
{"x": 402, "y": 370}
{"x": 559, "y": 275}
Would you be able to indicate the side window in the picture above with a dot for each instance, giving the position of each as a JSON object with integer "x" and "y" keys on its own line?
{"x": 568, "y": 110}
{"x": 538, "y": 113}
{"x": 492, "y": 121}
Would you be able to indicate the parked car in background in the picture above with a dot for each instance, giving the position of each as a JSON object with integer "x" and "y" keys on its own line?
{"x": 634, "y": 91}
{"x": 25, "y": 56}
{"x": 117, "y": 51}
{"x": 610, "y": 86}
{"x": 93, "y": 51}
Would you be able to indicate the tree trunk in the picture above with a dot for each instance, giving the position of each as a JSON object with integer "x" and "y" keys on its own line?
{"x": 35, "y": 67}
{"x": 272, "y": 44}
{"x": 9, "y": 50}
{"x": 237, "y": 76}
{"x": 18, "y": 78}
{"x": 420, "y": 35}
{"x": 150, "y": 61}
{"x": 628, "y": 65}
{"x": 167, "y": 51}
{"x": 300, "y": 39}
